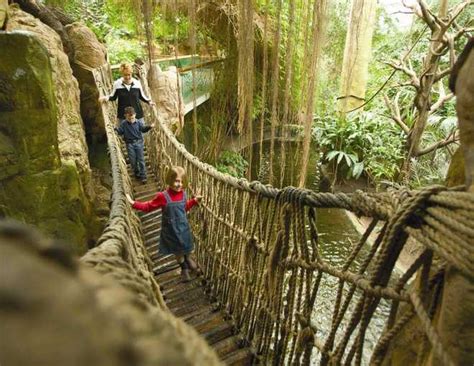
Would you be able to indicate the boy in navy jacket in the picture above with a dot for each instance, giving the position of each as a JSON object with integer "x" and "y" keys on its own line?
{"x": 131, "y": 129}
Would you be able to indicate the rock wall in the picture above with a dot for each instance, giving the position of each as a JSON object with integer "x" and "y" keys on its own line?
{"x": 45, "y": 174}
{"x": 88, "y": 53}
{"x": 71, "y": 137}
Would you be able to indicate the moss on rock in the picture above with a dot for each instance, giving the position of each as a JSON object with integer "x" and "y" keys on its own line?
{"x": 52, "y": 200}
{"x": 456, "y": 176}
{"x": 28, "y": 137}
{"x": 37, "y": 185}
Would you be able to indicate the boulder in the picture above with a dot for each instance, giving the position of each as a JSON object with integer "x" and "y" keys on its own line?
{"x": 43, "y": 326}
{"x": 88, "y": 53}
{"x": 56, "y": 311}
{"x": 87, "y": 48}
{"x": 71, "y": 137}
{"x": 40, "y": 184}
{"x": 28, "y": 115}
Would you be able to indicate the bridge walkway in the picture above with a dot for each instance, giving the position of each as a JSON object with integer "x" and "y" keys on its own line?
{"x": 189, "y": 301}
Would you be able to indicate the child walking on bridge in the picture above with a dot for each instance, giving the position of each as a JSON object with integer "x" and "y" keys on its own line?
{"x": 131, "y": 129}
{"x": 175, "y": 237}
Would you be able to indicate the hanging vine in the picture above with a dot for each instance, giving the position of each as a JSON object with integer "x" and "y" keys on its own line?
{"x": 192, "y": 39}
{"x": 245, "y": 44}
{"x": 288, "y": 83}
{"x": 275, "y": 85}
{"x": 317, "y": 36}
{"x": 264, "y": 80}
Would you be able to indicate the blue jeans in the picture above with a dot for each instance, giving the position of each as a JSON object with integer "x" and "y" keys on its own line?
{"x": 137, "y": 160}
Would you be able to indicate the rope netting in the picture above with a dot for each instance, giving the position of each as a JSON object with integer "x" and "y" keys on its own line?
{"x": 260, "y": 249}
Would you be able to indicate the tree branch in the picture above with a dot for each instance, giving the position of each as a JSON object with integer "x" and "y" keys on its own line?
{"x": 457, "y": 10}
{"x": 395, "y": 112}
{"x": 427, "y": 16}
{"x": 442, "y": 74}
{"x": 453, "y": 137}
{"x": 407, "y": 71}
{"x": 462, "y": 31}
{"x": 441, "y": 101}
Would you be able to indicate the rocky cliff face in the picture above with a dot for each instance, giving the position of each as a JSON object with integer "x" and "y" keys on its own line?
{"x": 45, "y": 174}
{"x": 71, "y": 136}
{"x": 88, "y": 53}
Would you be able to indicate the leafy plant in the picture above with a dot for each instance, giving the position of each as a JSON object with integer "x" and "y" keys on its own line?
{"x": 232, "y": 163}
{"x": 355, "y": 166}
{"x": 362, "y": 144}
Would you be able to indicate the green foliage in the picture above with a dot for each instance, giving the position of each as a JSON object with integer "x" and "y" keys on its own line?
{"x": 364, "y": 143}
{"x": 232, "y": 163}
{"x": 355, "y": 166}
{"x": 120, "y": 49}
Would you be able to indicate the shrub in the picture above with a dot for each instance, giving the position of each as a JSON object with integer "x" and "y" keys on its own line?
{"x": 363, "y": 143}
{"x": 232, "y": 163}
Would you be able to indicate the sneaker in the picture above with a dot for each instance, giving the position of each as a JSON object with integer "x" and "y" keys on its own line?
{"x": 143, "y": 180}
{"x": 185, "y": 277}
{"x": 192, "y": 265}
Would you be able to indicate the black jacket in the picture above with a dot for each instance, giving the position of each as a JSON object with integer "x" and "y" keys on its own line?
{"x": 128, "y": 98}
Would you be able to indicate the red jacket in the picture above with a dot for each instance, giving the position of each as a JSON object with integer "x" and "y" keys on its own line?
{"x": 159, "y": 201}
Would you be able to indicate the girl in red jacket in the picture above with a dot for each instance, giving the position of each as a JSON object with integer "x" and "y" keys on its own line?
{"x": 175, "y": 237}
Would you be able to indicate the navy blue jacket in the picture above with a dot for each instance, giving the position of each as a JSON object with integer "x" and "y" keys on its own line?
{"x": 132, "y": 131}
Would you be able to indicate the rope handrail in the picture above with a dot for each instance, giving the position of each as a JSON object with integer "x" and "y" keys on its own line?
{"x": 260, "y": 248}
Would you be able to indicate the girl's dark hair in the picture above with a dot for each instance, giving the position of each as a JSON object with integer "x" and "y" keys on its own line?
{"x": 173, "y": 172}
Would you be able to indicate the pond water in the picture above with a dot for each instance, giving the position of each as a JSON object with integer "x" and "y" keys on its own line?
{"x": 337, "y": 235}
{"x": 336, "y": 239}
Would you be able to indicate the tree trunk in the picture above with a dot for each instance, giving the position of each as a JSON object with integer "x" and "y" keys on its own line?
{"x": 357, "y": 54}
{"x": 245, "y": 44}
{"x": 288, "y": 84}
{"x": 147, "y": 12}
{"x": 423, "y": 98}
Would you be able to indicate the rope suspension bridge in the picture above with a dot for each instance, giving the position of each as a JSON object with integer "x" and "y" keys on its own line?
{"x": 258, "y": 247}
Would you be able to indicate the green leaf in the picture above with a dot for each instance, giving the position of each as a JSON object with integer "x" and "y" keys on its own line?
{"x": 357, "y": 169}
{"x": 330, "y": 155}
{"x": 340, "y": 156}
{"x": 348, "y": 160}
